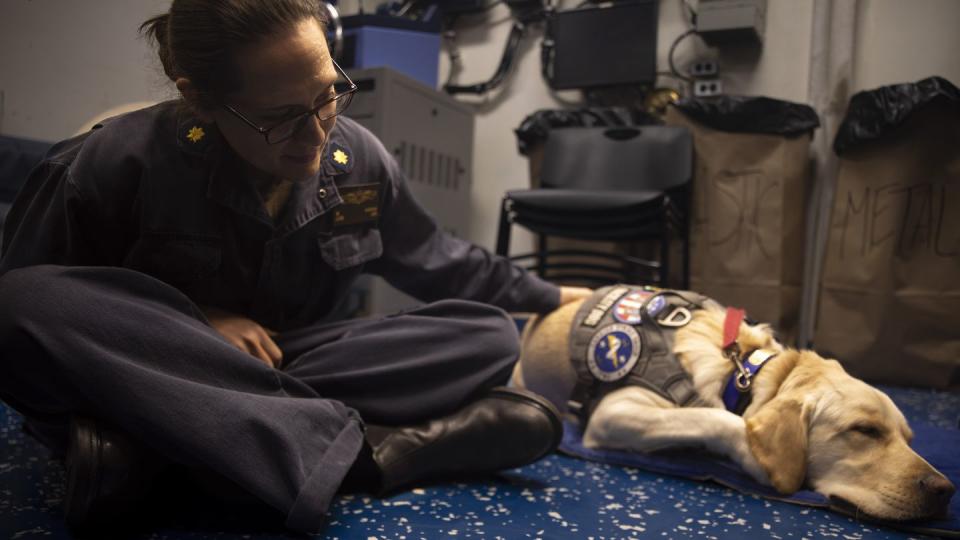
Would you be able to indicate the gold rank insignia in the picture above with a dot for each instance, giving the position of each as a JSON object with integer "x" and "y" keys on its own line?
{"x": 195, "y": 134}
{"x": 339, "y": 158}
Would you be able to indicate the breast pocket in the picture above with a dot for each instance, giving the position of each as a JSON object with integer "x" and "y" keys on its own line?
{"x": 351, "y": 248}
{"x": 176, "y": 258}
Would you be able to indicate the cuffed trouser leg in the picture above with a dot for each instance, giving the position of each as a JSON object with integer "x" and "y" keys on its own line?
{"x": 404, "y": 368}
{"x": 130, "y": 350}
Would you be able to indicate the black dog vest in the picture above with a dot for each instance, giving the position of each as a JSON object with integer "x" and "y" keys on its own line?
{"x": 623, "y": 336}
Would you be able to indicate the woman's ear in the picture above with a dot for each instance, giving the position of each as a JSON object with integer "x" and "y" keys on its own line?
{"x": 777, "y": 436}
{"x": 192, "y": 96}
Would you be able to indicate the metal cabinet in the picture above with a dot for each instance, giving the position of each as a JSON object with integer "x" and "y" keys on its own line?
{"x": 431, "y": 136}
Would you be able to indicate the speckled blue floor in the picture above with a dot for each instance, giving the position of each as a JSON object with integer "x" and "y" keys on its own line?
{"x": 559, "y": 497}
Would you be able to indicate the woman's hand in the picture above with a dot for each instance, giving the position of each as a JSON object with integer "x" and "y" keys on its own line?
{"x": 246, "y": 335}
{"x": 569, "y": 294}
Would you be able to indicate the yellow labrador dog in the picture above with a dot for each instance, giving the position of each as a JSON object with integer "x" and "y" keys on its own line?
{"x": 808, "y": 423}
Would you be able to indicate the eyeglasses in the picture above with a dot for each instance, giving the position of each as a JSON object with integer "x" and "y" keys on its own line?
{"x": 286, "y": 129}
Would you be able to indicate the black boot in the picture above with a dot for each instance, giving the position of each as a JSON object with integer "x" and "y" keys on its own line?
{"x": 506, "y": 428}
{"x": 107, "y": 476}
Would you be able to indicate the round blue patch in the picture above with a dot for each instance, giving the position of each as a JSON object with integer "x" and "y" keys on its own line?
{"x": 655, "y": 305}
{"x": 613, "y": 352}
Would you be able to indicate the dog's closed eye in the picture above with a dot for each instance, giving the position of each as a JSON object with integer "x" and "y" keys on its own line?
{"x": 868, "y": 430}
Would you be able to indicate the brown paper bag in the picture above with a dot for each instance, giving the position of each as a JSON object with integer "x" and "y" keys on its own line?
{"x": 889, "y": 305}
{"x": 747, "y": 225}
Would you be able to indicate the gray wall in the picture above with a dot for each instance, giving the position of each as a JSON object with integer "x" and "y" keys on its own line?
{"x": 65, "y": 64}
{"x": 896, "y": 41}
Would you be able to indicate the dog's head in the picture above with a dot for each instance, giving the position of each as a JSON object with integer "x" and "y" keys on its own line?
{"x": 844, "y": 439}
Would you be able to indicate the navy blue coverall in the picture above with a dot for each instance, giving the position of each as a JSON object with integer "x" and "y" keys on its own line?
{"x": 121, "y": 234}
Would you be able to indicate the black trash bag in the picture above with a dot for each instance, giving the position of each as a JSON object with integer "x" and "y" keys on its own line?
{"x": 536, "y": 127}
{"x": 873, "y": 113}
{"x": 746, "y": 114}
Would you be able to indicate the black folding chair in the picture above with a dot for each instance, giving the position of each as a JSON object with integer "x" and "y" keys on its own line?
{"x": 606, "y": 184}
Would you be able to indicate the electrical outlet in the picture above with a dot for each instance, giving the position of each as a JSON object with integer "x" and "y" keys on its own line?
{"x": 707, "y": 87}
{"x": 704, "y": 68}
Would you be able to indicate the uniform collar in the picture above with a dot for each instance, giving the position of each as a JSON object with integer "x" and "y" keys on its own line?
{"x": 319, "y": 194}
{"x": 309, "y": 198}
{"x": 194, "y": 136}
{"x": 202, "y": 140}
{"x": 338, "y": 156}
{"x": 226, "y": 186}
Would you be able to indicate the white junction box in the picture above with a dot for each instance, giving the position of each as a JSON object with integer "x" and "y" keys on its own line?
{"x": 722, "y": 22}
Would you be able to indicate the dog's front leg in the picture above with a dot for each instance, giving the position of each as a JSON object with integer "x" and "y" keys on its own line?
{"x": 638, "y": 420}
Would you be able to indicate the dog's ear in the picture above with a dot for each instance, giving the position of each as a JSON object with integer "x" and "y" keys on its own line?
{"x": 777, "y": 436}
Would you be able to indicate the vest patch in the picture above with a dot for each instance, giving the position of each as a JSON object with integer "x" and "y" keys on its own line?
{"x": 596, "y": 314}
{"x": 628, "y": 308}
{"x": 623, "y": 336}
{"x": 656, "y": 306}
{"x": 613, "y": 352}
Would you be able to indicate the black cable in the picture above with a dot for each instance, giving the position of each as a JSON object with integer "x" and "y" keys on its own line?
{"x": 454, "y": 52}
{"x": 547, "y": 46}
{"x": 404, "y": 8}
{"x": 673, "y": 68}
{"x": 691, "y": 12}
{"x": 482, "y": 9}
{"x": 546, "y": 58}
{"x": 668, "y": 74}
{"x": 506, "y": 61}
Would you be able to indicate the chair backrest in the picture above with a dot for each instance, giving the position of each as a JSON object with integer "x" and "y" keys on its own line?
{"x": 618, "y": 158}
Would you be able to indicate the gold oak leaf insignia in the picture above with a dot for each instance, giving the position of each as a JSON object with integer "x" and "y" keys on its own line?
{"x": 195, "y": 134}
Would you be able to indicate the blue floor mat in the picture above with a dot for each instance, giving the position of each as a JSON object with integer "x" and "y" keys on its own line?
{"x": 557, "y": 498}
{"x": 937, "y": 445}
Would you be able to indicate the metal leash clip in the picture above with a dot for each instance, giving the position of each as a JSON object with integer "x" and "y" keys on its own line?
{"x": 743, "y": 379}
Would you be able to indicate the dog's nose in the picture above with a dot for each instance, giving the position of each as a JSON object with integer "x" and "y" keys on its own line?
{"x": 938, "y": 488}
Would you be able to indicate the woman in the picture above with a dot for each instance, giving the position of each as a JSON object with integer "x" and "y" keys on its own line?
{"x": 169, "y": 273}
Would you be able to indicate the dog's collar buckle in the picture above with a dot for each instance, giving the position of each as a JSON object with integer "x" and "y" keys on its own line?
{"x": 736, "y": 395}
{"x": 731, "y": 349}
{"x": 743, "y": 377}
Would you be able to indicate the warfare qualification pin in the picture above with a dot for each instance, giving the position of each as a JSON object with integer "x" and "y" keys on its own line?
{"x": 613, "y": 352}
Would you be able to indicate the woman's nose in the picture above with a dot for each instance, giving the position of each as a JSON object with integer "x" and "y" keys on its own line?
{"x": 313, "y": 132}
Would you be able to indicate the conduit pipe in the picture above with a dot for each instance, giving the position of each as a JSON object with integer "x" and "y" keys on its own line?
{"x": 832, "y": 44}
